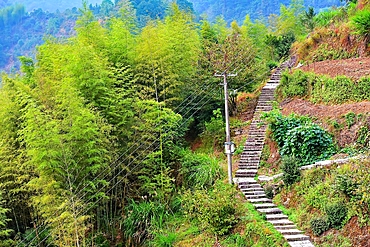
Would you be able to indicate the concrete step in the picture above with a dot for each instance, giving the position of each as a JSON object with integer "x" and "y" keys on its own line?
{"x": 253, "y": 190}
{"x": 253, "y": 148}
{"x": 260, "y": 200}
{"x": 269, "y": 210}
{"x": 264, "y": 205}
{"x": 290, "y": 231}
{"x": 286, "y": 227}
{"x": 276, "y": 216}
{"x": 305, "y": 243}
{"x": 247, "y": 186}
{"x": 246, "y": 167}
{"x": 297, "y": 237}
{"x": 255, "y": 196}
{"x": 281, "y": 222}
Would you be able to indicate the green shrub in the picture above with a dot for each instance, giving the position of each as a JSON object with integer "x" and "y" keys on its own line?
{"x": 345, "y": 184}
{"x": 363, "y": 137}
{"x": 199, "y": 170}
{"x": 272, "y": 64}
{"x": 291, "y": 172}
{"x": 308, "y": 143}
{"x": 350, "y": 119}
{"x": 269, "y": 191}
{"x": 323, "y": 89}
{"x": 361, "y": 22}
{"x": 319, "y": 226}
{"x": 336, "y": 214}
{"x": 297, "y": 136}
{"x": 140, "y": 217}
{"x": 280, "y": 125}
{"x": 164, "y": 240}
{"x": 297, "y": 85}
{"x": 214, "y": 131}
{"x": 214, "y": 210}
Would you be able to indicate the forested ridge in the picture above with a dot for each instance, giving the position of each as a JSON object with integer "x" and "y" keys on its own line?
{"x": 24, "y": 24}
{"x": 114, "y": 136}
{"x": 257, "y": 9}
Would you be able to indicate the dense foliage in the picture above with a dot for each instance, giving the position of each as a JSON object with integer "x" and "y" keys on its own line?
{"x": 323, "y": 89}
{"x": 299, "y": 137}
{"x": 93, "y": 148}
{"x": 232, "y": 10}
{"x": 327, "y": 198}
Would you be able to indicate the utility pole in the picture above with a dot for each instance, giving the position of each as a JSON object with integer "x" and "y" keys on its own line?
{"x": 228, "y": 143}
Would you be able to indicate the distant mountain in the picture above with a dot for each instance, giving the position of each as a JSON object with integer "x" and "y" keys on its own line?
{"x": 238, "y": 9}
{"x": 48, "y": 5}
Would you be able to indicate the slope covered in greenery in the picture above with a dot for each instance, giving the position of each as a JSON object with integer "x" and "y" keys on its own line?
{"x": 96, "y": 133}
{"x": 257, "y": 9}
{"x": 24, "y": 30}
{"x": 50, "y": 5}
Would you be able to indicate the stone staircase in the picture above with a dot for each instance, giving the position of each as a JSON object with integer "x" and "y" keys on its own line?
{"x": 249, "y": 163}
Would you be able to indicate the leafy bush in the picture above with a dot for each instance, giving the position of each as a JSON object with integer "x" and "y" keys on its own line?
{"x": 345, "y": 184}
{"x": 199, "y": 170}
{"x": 363, "y": 137}
{"x": 323, "y": 89}
{"x": 269, "y": 191}
{"x": 291, "y": 172}
{"x": 336, "y": 214}
{"x": 294, "y": 86}
{"x": 308, "y": 143}
{"x": 214, "y": 131}
{"x": 297, "y": 136}
{"x": 140, "y": 217}
{"x": 361, "y": 22}
{"x": 319, "y": 226}
{"x": 280, "y": 125}
{"x": 350, "y": 119}
{"x": 214, "y": 211}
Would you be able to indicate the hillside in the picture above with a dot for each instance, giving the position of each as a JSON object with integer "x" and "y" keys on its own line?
{"x": 257, "y": 9}
{"x": 48, "y": 5}
{"x": 113, "y": 132}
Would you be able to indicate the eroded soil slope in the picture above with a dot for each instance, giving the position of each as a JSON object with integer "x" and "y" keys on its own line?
{"x": 354, "y": 68}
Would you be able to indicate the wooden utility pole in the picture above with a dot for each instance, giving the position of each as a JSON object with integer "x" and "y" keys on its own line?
{"x": 228, "y": 143}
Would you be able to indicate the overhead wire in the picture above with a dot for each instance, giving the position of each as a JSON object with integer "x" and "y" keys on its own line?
{"x": 130, "y": 149}
{"x": 131, "y": 170}
{"x": 119, "y": 163}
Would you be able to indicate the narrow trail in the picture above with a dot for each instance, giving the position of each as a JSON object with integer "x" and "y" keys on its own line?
{"x": 249, "y": 163}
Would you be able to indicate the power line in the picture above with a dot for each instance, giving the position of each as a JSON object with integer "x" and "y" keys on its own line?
{"x": 120, "y": 162}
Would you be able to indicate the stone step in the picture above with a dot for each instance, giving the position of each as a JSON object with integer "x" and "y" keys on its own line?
{"x": 286, "y": 227}
{"x": 253, "y": 192}
{"x": 260, "y": 200}
{"x": 256, "y": 190}
{"x": 253, "y": 158}
{"x": 252, "y": 154}
{"x": 281, "y": 222}
{"x": 276, "y": 216}
{"x": 305, "y": 243}
{"x": 289, "y": 231}
{"x": 253, "y": 148}
{"x": 297, "y": 237}
{"x": 254, "y": 144}
{"x": 264, "y": 205}
{"x": 256, "y": 139}
{"x": 269, "y": 210}
{"x": 257, "y": 196}
{"x": 249, "y": 184}
{"x": 248, "y": 167}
